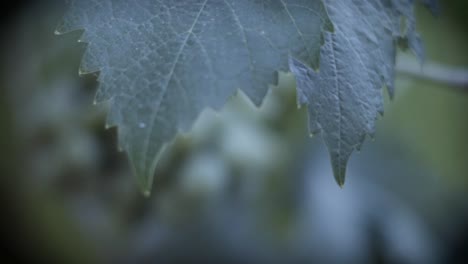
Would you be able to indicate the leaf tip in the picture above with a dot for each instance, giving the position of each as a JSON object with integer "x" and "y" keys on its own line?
{"x": 339, "y": 170}
{"x": 81, "y": 73}
{"x": 144, "y": 178}
{"x": 340, "y": 178}
{"x": 341, "y": 184}
{"x": 145, "y": 187}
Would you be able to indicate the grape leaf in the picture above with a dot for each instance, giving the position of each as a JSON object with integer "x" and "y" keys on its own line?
{"x": 345, "y": 96}
{"x": 161, "y": 62}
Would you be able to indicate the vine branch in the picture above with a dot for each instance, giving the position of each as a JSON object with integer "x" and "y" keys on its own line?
{"x": 443, "y": 74}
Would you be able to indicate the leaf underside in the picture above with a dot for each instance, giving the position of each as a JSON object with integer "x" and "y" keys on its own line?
{"x": 162, "y": 62}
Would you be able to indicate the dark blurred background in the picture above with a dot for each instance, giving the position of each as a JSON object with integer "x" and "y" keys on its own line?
{"x": 246, "y": 185}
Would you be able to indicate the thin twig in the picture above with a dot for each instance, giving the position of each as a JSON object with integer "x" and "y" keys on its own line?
{"x": 456, "y": 77}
